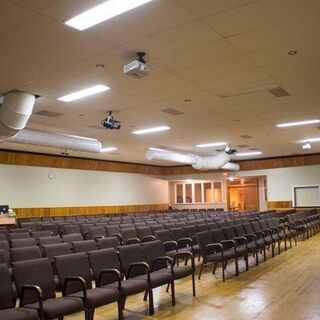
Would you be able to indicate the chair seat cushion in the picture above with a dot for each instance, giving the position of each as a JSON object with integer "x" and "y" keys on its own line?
{"x": 252, "y": 246}
{"x": 241, "y": 250}
{"x": 158, "y": 278}
{"x": 182, "y": 271}
{"x": 99, "y": 296}
{"x": 57, "y": 307}
{"x": 228, "y": 255}
{"x": 19, "y": 314}
{"x": 130, "y": 286}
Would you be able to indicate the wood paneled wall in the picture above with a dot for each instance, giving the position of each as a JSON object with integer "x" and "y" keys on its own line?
{"x": 55, "y": 161}
{"x": 279, "y": 205}
{"x": 281, "y": 162}
{"x": 68, "y": 211}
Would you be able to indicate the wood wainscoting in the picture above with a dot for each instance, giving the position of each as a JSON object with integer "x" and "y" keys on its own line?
{"x": 279, "y": 205}
{"x": 71, "y": 211}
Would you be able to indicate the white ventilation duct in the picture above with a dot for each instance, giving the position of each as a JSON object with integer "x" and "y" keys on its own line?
{"x": 218, "y": 161}
{"x": 56, "y": 140}
{"x": 15, "y": 112}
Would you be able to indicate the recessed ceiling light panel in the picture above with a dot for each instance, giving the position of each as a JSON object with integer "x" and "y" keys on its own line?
{"x": 245, "y": 154}
{"x": 213, "y": 144}
{"x": 84, "y": 93}
{"x": 298, "y": 123}
{"x": 151, "y": 130}
{"x": 311, "y": 140}
{"x": 109, "y": 149}
{"x": 103, "y": 12}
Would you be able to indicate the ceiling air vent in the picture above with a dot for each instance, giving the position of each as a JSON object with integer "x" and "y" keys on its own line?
{"x": 49, "y": 114}
{"x": 246, "y": 136}
{"x": 279, "y": 92}
{"x": 173, "y": 112}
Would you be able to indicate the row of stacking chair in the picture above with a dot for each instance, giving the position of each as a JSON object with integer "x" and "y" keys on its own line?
{"x": 238, "y": 241}
{"x": 136, "y": 268}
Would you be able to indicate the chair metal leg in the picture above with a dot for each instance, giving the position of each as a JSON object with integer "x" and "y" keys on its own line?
{"x": 193, "y": 285}
{"x": 247, "y": 261}
{"x": 279, "y": 248}
{"x": 145, "y": 298}
{"x": 223, "y": 272}
{"x": 214, "y": 268}
{"x": 120, "y": 309}
{"x": 173, "y": 294}
{"x": 257, "y": 257}
{"x": 168, "y": 287}
{"x": 237, "y": 266}
{"x": 200, "y": 271}
{"x": 151, "y": 307}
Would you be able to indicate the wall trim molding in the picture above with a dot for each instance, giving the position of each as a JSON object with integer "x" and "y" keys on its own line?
{"x": 91, "y": 210}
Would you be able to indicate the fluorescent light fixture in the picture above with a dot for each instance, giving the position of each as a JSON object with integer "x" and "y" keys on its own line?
{"x": 298, "y": 123}
{"x": 84, "y": 93}
{"x": 306, "y": 146}
{"x": 103, "y": 12}
{"x": 151, "y": 130}
{"x": 108, "y": 149}
{"x": 310, "y": 140}
{"x": 213, "y": 144}
{"x": 156, "y": 149}
{"x": 244, "y": 154}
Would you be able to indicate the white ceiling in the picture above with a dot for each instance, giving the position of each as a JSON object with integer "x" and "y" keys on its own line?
{"x": 198, "y": 50}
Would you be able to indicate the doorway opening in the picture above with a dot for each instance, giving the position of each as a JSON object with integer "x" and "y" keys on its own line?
{"x": 243, "y": 194}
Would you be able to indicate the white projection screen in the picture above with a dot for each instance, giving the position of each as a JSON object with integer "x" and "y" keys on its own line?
{"x": 306, "y": 196}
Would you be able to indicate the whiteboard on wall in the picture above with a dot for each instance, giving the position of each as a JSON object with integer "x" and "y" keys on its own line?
{"x": 306, "y": 196}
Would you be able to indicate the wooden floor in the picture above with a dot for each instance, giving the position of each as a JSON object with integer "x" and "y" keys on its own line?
{"x": 285, "y": 287}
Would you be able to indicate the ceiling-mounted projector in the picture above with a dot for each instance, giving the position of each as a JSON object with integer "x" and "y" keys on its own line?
{"x": 110, "y": 123}
{"x": 138, "y": 68}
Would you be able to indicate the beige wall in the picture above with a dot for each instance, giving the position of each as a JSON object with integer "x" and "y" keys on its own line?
{"x": 24, "y": 186}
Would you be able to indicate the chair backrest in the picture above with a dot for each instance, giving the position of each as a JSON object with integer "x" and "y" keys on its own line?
{"x": 71, "y": 229}
{"x": 49, "y": 240}
{"x": 229, "y": 233}
{"x": 96, "y": 231}
{"x": 25, "y": 253}
{"x": 73, "y": 265}
{"x": 50, "y": 227}
{"x": 255, "y": 226}
{"x": 31, "y": 226}
{"x": 203, "y": 239}
{"x": 19, "y": 235}
{"x": 7, "y": 298}
{"x": 128, "y": 234}
{"x": 34, "y": 272}
{"x": 4, "y": 245}
{"x": 212, "y": 225}
{"x": 222, "y": 224}
{"x": 156, "y": 227}
{"x": 25, "y": 242}
{"x": 178, "y": 233}
{"x": 108, "y": 242}
{"x": 163, "y": 235}
{"x": 202, "y": 227}
{"x": 43, "y": 233}
{"x": 57, "y": 249}
{"x": 19, "y": 230}
{"x": 84, "y": 246}
{"x": 248, "y": 228}
{"x": 104, "y": 259}
{"x": 112, "y": 230}
{"x": 69, "y": 238}
{"x": 155, "y": 249}
{"x": 217, "y": 235}
{"x": 263, "y": 224}
{"x": 143, "y": 231}
{"x": 239, "y": 230}
{"x": 129, "y": 254}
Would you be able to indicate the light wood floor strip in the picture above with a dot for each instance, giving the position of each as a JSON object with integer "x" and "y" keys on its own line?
{"x": 286, "y": 287}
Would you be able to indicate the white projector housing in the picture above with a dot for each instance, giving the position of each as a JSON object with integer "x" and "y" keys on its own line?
{"x": 136, "y": 69}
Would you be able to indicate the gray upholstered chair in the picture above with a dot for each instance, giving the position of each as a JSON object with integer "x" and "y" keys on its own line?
{"x": 7, "y": 300}
{"x": 36, "y": 290}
